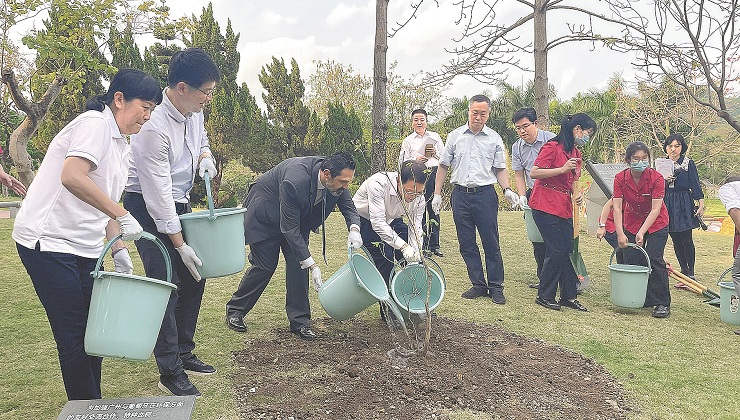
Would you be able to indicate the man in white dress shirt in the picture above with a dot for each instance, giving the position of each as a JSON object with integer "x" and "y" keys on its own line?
{"x": 426, "y": 147}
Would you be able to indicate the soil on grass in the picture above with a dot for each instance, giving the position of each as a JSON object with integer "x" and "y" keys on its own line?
{"x": 351, "y": 372}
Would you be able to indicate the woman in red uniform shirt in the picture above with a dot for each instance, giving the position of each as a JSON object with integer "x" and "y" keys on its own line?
{"x": 641, "y": 217}
{"x": 555, "y": 171}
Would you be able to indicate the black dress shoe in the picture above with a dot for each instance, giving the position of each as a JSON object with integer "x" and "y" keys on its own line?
{"x": 236, "y": 323}
{"x": 549, "y": 304}
{"x": 305, "y": 333}
{"x": 427, "y": 253}
{"x": 473, "y": 293}
{"x": 438, "y": 252}
{"x": 195, "y": 366}
{"x": 574, "y": 304}
{"x": 498, "y": 298}
{"x": 661, "y": 311}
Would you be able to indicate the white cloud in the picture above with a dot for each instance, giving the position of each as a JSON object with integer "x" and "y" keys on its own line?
{"x": 271, "y": 18}
{"x": 343, "y": 13}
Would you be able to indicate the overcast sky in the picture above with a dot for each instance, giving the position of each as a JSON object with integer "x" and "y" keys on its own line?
{"x": 344, "y": 32}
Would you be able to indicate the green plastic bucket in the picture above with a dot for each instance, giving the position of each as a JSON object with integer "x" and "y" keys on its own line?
{"x": 351, "y": 289}
{"x": 126, "y": 310}
{"x": 533, "y": 233}
{"x": 409, "y": 287}
{"x": 729, "y": 302}
{"x": 217, "y": 237}
{"x": 629, "y": 282}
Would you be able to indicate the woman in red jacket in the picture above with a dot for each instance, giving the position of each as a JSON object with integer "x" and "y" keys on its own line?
{"x": 555, "y": 171}
{"x": 641, "y": 217}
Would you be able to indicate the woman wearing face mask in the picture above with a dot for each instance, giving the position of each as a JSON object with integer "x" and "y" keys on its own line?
{"x": 641, "y": 217}
{"x": 682, "y": 190}
{"x": 555, "y": 171}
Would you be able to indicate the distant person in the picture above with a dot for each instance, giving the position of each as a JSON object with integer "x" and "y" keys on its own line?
{"x": 477, "y": 157}
{"x": 682, "y": 191}
{"x": 641, "y": 217}
{"x": 426, "y": 147}
{"x": 523, "y": 153}
{"x": 12, "y": 183}
{"x": 729, "y": 194}
{"x": 556, "y": 170}
{"x": 168, "y": 152}
{"x": 283, "y": 205}
{"x": 381, "y": 201}
{"x": 72, "y": 206}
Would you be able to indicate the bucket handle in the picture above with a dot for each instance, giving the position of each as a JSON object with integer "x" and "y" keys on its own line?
{"x": 209, "y": 195}
{"x": 145, "y": 235}
{"x": 723, "y": 275}
{"x": 638, "y": 247}
{"x": 397, "y": 267}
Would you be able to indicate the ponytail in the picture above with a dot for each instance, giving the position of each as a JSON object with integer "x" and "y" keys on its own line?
{"x": 96, "y": 103}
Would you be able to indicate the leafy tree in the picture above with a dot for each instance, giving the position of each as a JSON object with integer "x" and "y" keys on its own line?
{"x": 343, "y": 132}
{"x": 312, "y": 141}
{"x": 405, "y": 95}
{"x": 339, "y": 84}
{"x": 124, "y": 51}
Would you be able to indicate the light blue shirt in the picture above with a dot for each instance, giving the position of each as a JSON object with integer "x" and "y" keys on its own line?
{"x": 523, "y": 154}
{"x": 473, "y": 157}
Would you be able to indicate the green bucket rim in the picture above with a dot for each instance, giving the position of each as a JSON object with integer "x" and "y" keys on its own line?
{"x": 145, "y": 235}
{"x": 357, "y": 277}
{"x": 639, "y": 248}
{"x": 124, "y": 276}
{"x": 727, "y": 285}
{"x": 415, "y": 266}
{"x": 205, "y": 214}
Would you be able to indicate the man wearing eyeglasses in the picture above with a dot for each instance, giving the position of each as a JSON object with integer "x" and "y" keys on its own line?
{"x": 167, "y": 152}
{"x": 382, "y": 201}
{"x": 523, "y": 153}
{"x": 426, "y": 147}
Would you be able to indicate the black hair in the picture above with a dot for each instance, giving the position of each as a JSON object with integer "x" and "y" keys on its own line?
{"x": 413, "y": 169}
{"x": 633, "y": 148}
{"x": 480, "y": 98}
{"x": 192, "y": 66}
{"x": 676, "y": 136}
{"x": 418, "y": 111}
{"x": 528, "y": 113}
{"x": 568, "y": 123}
{"x": 133, "y": 84}
{"x": 338, "y": 162}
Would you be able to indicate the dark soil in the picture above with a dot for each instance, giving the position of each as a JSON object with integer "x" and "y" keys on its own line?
{"x": 348, "y": 373}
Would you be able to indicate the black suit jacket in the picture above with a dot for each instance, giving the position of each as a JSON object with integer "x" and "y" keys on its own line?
{"x": 281, "y": 201}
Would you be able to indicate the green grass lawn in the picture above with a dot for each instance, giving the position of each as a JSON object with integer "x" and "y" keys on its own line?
{"x": 681, "y": 367}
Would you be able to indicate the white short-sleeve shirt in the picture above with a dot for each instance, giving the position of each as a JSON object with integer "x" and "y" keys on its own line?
{"x": 50, "y": 215}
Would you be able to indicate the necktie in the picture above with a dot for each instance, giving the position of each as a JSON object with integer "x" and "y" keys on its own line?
{"x": 323, "y": 226}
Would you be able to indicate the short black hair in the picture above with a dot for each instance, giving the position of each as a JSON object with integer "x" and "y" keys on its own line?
{"x": 133, "y": 84}
{"x": 192, "y": 66}
{"x": 413, "y": 169}
{"x": 337, "y": 162}
{"x": 418, "y": 111}
{"x": 480, "y": 98}
{"x": 528, "y": 113}
{"x": 635, "y": 147}
{"x": 676, "y": 136}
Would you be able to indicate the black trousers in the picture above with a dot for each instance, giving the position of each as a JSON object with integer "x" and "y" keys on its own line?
{"x": 539, "y": 249}
{"x": 658, "y": 290}
{"x": 175, "y": 342}
{"x": 557, "y": 269}
{"x": 263, "y": 257}
{"x": 431, "y": 230}
{"x": 683, "y": 244}
{"x": 384, "y": 255}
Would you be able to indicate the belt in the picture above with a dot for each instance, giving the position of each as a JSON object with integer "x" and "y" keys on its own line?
{"x": 556, "y": 188}
{"x": 470, "y": 190}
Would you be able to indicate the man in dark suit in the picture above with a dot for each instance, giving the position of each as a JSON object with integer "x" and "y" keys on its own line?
{"x": 283, "y": 206}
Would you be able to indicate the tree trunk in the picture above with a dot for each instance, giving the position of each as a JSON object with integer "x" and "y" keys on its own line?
{"x": 35, "y": 112}
{"x": 380, "y": 81}
{"x": 541, "y": 83}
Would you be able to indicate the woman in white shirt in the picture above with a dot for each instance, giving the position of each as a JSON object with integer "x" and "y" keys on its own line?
{"x": 72, "y": 207}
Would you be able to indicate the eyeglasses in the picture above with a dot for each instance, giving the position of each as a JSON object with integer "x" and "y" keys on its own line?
{"x": 522, "y": 127}
{"x": 208, "y": 94}
{"x": 412, "y": 193}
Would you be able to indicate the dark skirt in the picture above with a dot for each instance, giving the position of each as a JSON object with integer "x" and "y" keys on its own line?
{"x": 680, "y": 207}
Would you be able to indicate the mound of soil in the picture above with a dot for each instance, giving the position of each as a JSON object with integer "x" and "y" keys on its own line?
{"x": 352, "y": 372}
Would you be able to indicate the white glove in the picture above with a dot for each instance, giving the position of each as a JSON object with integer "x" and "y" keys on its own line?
{"x": 190, "y": 260}
{"x": 207, "y": 164}
{"x": 316, "y": 278}
{"x": 512, "y": 197}
{"x": 122, "y": 262}
{"x": 130, "y": 228}
{"x": 437, "y": 203}
{"x": 410, "y": 254}
{"x": 354, "y": 240}
{"x": 523, "y": 202}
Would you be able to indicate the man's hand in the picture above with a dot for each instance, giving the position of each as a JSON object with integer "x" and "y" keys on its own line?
{"x": 523, "y": 202}
{"x": 511, "y": 197}
{"x": 207, "y": 164}
{"x": 122, "y": 262}
{"x": 354, "y": 239}
{"x": 131, "y": 230}
{"x": 437, "y": 203}
{"x": 316, "y": 277}
{"x": 191, "y": 261}
{"x": 410, "y": 254}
